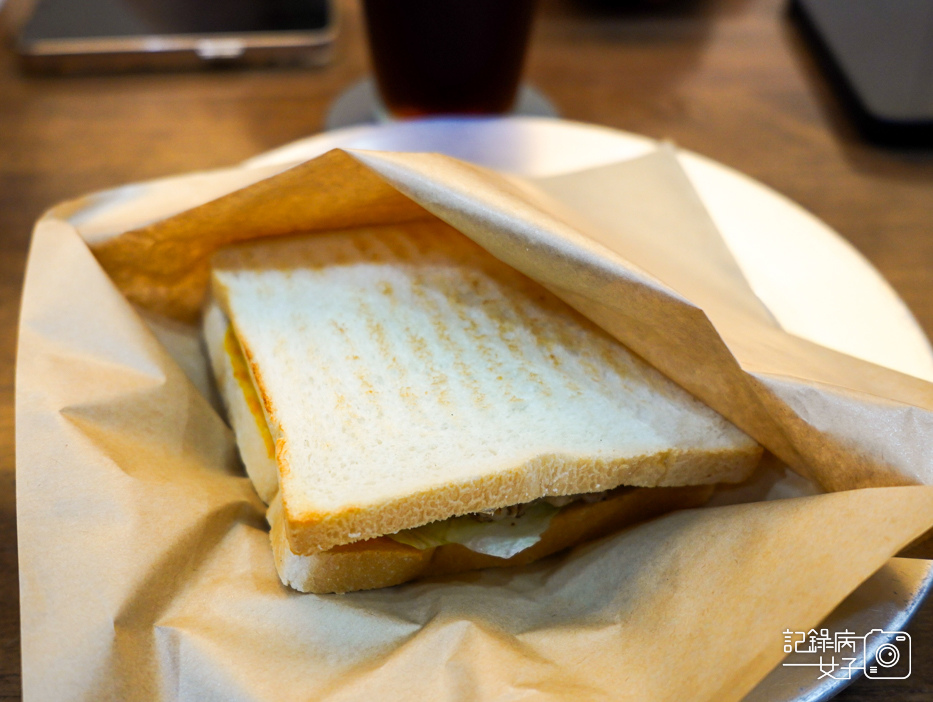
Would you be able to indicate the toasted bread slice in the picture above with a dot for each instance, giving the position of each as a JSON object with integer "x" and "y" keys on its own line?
{"x": 407, "y": 376}
{"x": 382, "y": 562}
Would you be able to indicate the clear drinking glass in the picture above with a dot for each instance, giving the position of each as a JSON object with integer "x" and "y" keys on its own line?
{"x": 456, "y": 57}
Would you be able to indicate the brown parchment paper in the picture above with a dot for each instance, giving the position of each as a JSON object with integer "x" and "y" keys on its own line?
{"x": 146, "y": 571}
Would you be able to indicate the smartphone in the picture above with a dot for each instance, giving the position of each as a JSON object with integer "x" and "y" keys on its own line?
{"x": 878, "y": 54}
{"x": 65, "y": 36}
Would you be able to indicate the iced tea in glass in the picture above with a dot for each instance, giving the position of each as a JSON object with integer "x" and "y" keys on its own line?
{"x": 435, "y": 57}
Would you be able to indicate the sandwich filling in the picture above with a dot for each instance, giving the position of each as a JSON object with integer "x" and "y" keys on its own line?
{"x": 502, "y": 532}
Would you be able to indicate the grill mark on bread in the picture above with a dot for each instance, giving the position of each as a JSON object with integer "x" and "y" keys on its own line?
{"x": 395, "y": 247}
{"x": 546, "y": 318}
{"x": 479, "y": 338}
{"x": 509, "y": 325}
{"x": 523, "y": 313}
{"x": 419, "y": 345}
{"x": 422, "y": 471}
{"x": 352, "y": 418}
{"x": 551, "y": 337}
{"x": 380, "y": 251}
{"x": 504, "y": 314}
{"x": 378, "y": 332}
{"x": 420, "y": 289}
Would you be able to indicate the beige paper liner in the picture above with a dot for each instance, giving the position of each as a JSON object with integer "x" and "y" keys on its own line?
{"x": 145, "y": 565}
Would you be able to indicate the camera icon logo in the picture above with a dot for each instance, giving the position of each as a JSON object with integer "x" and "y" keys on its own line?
{"x": 891, "y": 651}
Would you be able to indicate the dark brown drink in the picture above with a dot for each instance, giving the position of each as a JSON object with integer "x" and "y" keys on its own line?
{"x": 448, "y": 56}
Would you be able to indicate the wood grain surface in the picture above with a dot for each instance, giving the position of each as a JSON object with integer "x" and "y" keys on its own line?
{"x": 730, "y": 79}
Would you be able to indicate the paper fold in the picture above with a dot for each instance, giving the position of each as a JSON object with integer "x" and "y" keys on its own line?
{"x": 647, "y": 267}
{"x": 146, "y": 569}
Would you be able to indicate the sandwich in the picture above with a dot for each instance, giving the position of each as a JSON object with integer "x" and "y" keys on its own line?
{"x": 408, "y": 406}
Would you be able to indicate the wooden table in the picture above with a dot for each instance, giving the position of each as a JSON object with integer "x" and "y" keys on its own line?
{"x": 730, "y": 79}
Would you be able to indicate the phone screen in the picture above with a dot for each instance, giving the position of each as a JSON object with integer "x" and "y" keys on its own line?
{"x": 77, "y": 19}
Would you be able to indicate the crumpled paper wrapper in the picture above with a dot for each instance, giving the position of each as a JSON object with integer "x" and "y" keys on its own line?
{"x": 146, "y": 571}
